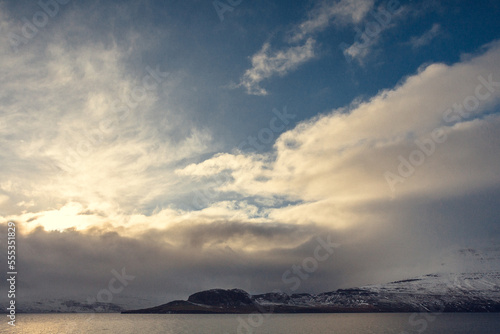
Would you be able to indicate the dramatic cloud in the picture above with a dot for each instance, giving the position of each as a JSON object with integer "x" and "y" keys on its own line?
{"x": 422, "y": 138}
{"x": 119, "y": 147}
{"x": 76, "y": 123}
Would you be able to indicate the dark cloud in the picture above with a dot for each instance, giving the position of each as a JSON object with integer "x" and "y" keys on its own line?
{"x": 185, "y": 258}
{"x": 198, "y": 235}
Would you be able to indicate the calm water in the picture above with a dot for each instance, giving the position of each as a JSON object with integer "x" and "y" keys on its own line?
{"x": 285, "y": 323}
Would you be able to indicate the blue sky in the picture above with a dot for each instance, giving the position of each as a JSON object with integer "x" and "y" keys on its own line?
{"x": 262, "y": 124}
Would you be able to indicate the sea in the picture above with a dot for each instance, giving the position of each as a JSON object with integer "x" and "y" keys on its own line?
{"x": 355, "y": 323}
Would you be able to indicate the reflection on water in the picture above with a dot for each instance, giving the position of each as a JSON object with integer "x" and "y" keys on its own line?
{"x": 483, "y": 323}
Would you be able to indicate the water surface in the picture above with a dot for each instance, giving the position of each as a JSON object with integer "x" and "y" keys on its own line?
{"x": 400, "y": 323}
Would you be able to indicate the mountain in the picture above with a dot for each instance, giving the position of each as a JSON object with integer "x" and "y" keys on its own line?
{"x": 56, "y": 305}
{"x": 77, "y": 304}
{"x": 475, "y": 289}
{"x": 445, "y": 292}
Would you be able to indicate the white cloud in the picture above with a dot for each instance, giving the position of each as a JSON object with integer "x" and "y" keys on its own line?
{"x": 333, "y": 163}
{"x": 359, "y": 51}
{"x": 426, "y": 37}
{"x": 79, "y": 126}
{"x": 382, "y": 18}
{"x": 333, "y": 12}
{"x": 217, "y": 164}
{"x": 267, "y": 63}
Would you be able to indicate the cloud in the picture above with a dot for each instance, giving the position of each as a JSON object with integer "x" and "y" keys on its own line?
{"x": 217, "y": 164}
{"x": 78, "y": 119}
{"x": 99, "y": 180}
{"x": 426, "y": 37}
{"x": 383, "y": 18}
{"x": 167, "y": 263}
{"x": 173, "y": 262}
{"x": 333, "y": 163}
{"x": 327, "y": 13}
{"x": 188, "y": 256}
{"x": 359, "y": 51}
{"x": 329, "y": 171}
{"x": 267, "y": 63}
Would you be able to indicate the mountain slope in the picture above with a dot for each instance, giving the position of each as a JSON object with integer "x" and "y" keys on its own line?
{"x": 466, "y": 292}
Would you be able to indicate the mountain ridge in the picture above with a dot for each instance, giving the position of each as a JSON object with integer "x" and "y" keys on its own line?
{"x": 464, "y": 292}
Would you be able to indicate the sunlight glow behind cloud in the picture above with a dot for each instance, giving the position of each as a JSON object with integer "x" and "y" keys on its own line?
{"x": 122, "y": 146}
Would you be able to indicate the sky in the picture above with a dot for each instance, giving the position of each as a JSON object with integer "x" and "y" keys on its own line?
{"x": 202, "y": 144}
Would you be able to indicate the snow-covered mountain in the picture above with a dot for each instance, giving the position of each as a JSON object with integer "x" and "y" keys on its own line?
{"x": 78, "y": 304}
{"x": 476, "y": 287}
{"x": 468, "y": 281}
{"x": 434, "y": 292}
{"x": 69, "y": 306}
{"x": 466, "y": 292}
